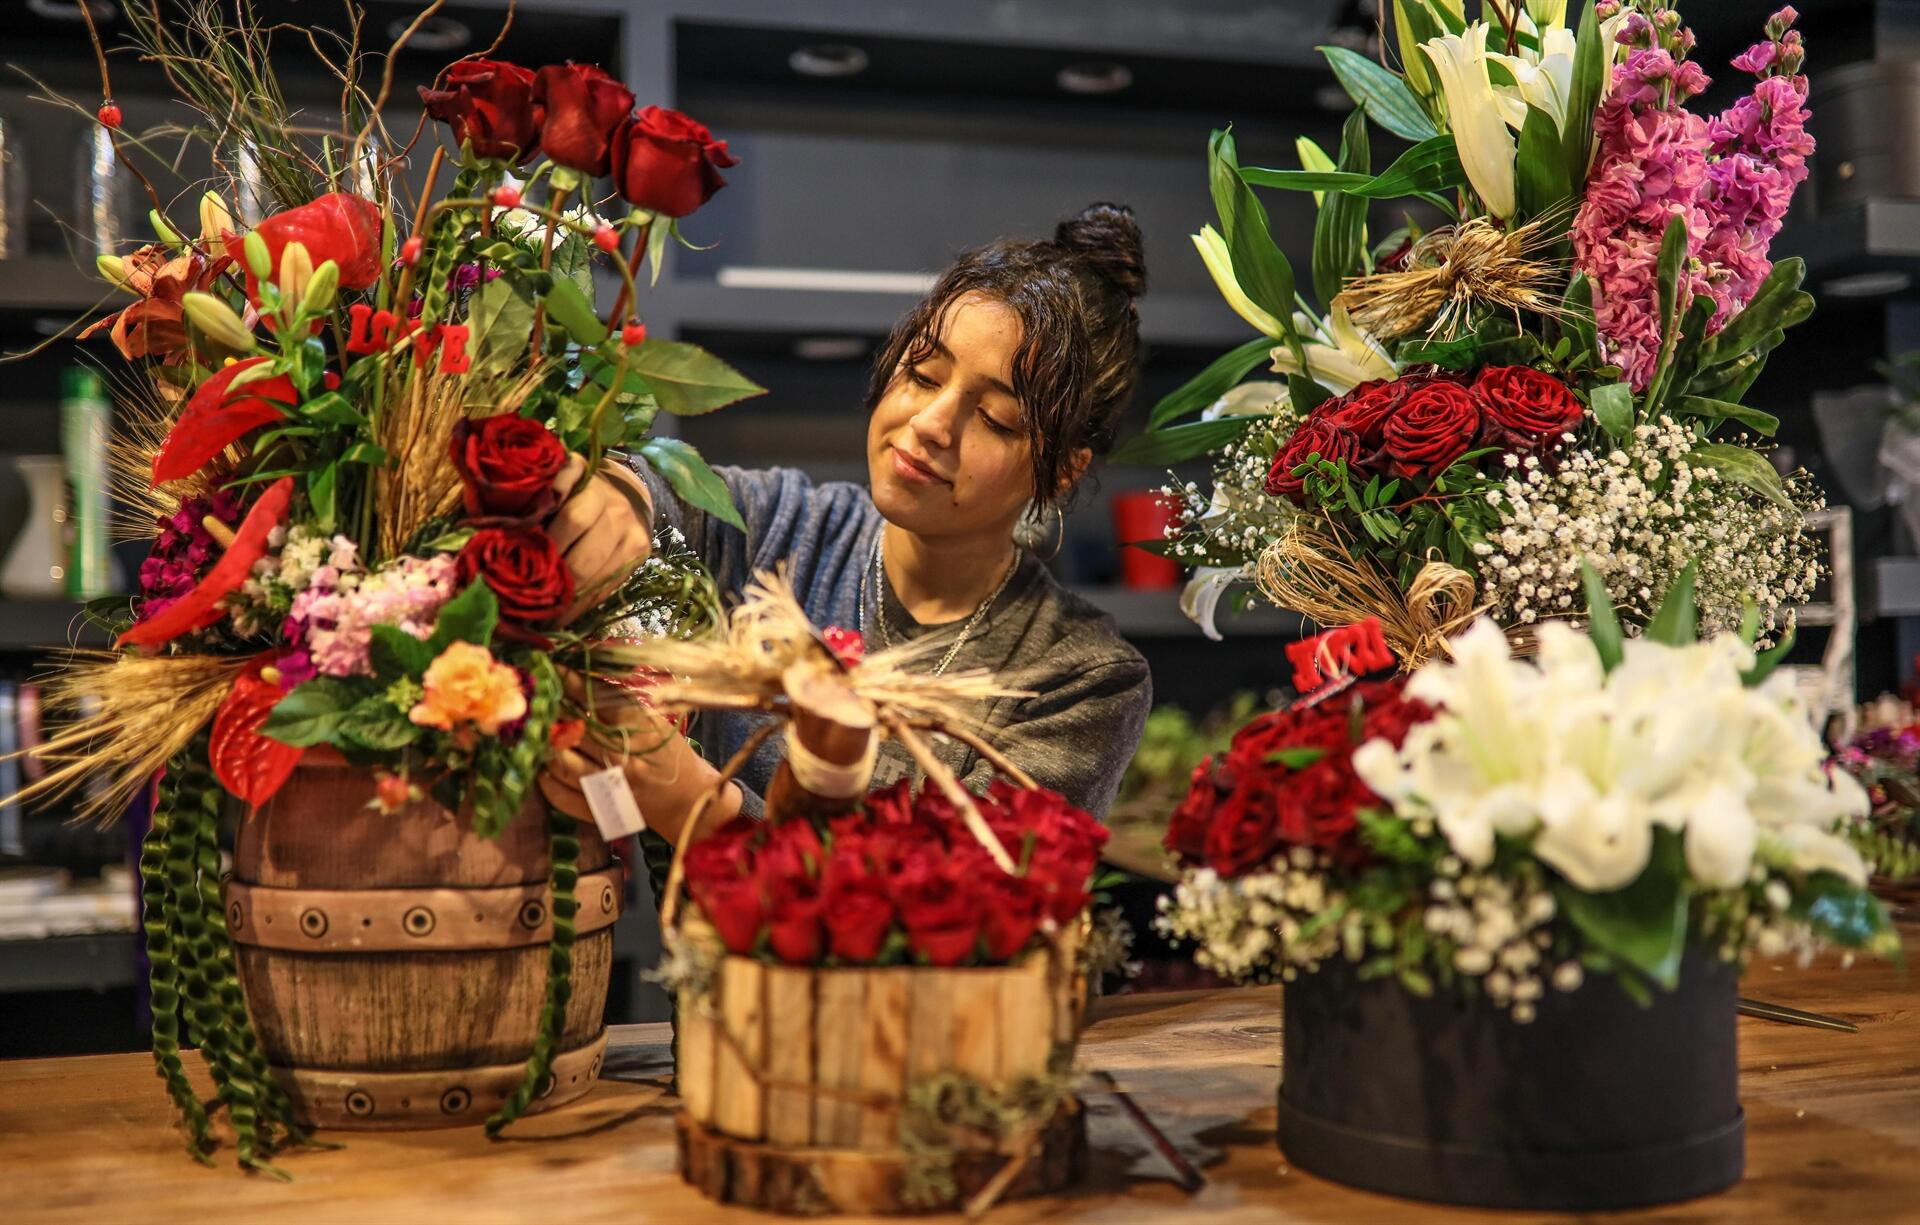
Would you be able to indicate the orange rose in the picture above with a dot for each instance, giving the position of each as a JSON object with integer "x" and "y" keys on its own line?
{"x": 467, "y": 685}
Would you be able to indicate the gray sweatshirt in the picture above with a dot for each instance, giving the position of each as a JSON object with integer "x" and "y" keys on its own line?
{"x": 1091, "y": 689}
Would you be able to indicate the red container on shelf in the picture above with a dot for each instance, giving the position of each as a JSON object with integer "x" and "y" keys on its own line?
{"x": 1144, "y": 516}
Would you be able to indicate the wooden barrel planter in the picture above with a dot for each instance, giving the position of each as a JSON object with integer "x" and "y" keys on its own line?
{"x": 395, "y": 965}
{"x": 807, "y": 1090}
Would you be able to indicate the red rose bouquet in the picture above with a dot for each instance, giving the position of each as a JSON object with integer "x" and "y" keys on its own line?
{"x": 1468, "y": 415}
{"x": 364, "y": 423}
{"x": 902, "y": 881}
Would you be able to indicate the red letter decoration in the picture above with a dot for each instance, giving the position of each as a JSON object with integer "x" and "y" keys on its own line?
{"x": 1346, "y": 650}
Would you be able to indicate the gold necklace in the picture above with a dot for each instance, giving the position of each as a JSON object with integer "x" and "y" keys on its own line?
{"x": 878, "y": 573}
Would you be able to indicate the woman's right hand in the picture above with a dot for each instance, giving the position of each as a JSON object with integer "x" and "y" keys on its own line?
{"x": 604, "y": 530}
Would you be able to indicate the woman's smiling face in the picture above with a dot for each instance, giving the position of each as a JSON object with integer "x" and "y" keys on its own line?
{"x": 947, "y": 446}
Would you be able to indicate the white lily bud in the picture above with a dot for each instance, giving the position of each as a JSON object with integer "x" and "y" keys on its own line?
{"x": 321, "y": 287}
{"x": 259, "y": 258}
{"x": 215, "y": 219}
{"x": 113, "y": 268}
{"x": 296, "y": 269}
{"x": 216, "y": 320}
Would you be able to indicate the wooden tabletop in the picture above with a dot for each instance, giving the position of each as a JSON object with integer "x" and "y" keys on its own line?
{"x": 1833, "y": 1133}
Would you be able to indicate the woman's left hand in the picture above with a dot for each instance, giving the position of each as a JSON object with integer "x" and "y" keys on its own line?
{"x": 667, "y": 777}
{"x": 602, "y": 530}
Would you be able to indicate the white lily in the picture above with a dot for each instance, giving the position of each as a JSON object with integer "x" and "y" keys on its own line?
{"x": 1545, "y": 13}
{"x": 1200, "y": 598}
{"x": 1542, "y": 79}
{"x": 1410, "y": 59}
{"x": 1213, "y": 252}
{"x": 1340, "y": 357}
{"x": 1473, "y": 113}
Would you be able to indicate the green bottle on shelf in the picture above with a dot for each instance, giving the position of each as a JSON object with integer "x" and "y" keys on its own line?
{"x": 86, "y": 417}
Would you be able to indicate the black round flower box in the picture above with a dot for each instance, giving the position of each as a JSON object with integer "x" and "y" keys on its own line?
{"x": 1599, "y": 1103}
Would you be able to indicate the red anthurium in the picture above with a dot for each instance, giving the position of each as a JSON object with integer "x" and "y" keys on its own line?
{"x": 212, "y": 420}
{"x": 249, "y": 765}
{"x": 200, "y": 607}
{"x": 339, "y": 226}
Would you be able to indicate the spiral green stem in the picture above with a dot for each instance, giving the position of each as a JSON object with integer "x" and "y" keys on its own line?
{"x": 163, "y": 973}
{"x": 563, "y": 852}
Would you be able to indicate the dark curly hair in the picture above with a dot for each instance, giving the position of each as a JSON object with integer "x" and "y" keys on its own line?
{"x": 1079, "y": 355}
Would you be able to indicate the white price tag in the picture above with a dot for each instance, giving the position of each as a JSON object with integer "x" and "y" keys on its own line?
{"x": 611, "y": 800}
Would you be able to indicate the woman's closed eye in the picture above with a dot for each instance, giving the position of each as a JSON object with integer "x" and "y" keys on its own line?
{"x": 996, "y": 425}
{"x": 919, "y": 379}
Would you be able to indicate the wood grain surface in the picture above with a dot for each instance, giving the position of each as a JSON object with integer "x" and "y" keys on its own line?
{"x": 1833, "y": 1135}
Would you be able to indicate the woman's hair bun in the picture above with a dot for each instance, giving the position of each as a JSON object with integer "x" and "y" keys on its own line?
{"x": 1107, "y": 236}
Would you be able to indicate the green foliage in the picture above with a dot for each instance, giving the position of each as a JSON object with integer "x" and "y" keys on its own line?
{"x": 395, "y": 653}
{"x": 1719, "y": 410}
{"x": 1643, "y": 927}
{"x": 1613, "y": 409}
{"x": 1677, "y": 621}
{"x": 312, "y": 712}
{"x": 1589, "y": 79}
{"x": 1541, "y": 184}
{"x": 1339, "y": 248}
{"x": 681, "y": 466}
{"x": 1382, "y": 93}
{"x": 1221, "y": 376}
{"x": 1744, "y": 467}
{"x": 467, "y": 617}
{"x": 1430, "y": 166}
{"x": 686, "y": 380}
{"x": 563, "y": 854}
{"x": 500, "y": 321}
{"x": 1391, "y": 838}
{"x": 569, "y": 306}
{"x": 1173, "y": 444}
{"x": 504, "y": 774}
{"x": 1603, "y": 624}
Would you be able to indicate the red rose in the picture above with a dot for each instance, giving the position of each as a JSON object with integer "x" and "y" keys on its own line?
{"x": 1389, "y": 712}
{"x": 1435, "y": 426}
{"x": 790, "y": 857}
{"x": 735, "y": 909}
{"x": 667, "y": 163}
{"x": 893, "y": 805}
{"x": 1523, "y": 409}
{"x": 725, "y": 854}
{"x": 1316, "y": 436}
{"x": 489, "y": 105}
{"x": 584, "y": 107}
{"x": 1246, "y": 831}
{"x": 527, "y": 573}
{"x": 1316, "y": 806}
{"x": 1187, "y": 828}
{"x": 793, "y": 931}
{"x": 507, "y": 465}
{"x": 338, "y": 226}
{"x": 1014, "y": 907}
{"x": 1366, "y": 409}
{"x": 858, "y": 919}
{"x": 941, "y": 916}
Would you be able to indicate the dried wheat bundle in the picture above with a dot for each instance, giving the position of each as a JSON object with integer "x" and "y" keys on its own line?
{"x": 1311, "y": 572}
{"x": 744, "y": 665}
{"x": 144, "y": 415}
{"x": 135, "y": 713}
{"x": 1451, "y": 273}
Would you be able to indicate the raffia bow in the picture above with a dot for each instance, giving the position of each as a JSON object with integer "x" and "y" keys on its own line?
{"x": 1311, "y": 572}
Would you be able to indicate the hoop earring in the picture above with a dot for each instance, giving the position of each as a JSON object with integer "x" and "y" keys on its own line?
{"x": 1060, "y": 540}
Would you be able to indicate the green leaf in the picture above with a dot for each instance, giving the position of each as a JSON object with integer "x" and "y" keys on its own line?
{"x": 1540, "y": 182}
{"x": 1677, "y": 622}
{"x": 1777, "y": 305}
{"x": 1590, "y": 61}
{"x": 395, "y": 653}
{"x": 1576, "y": 320}
{"x": 321, "y": 483}
{"x": 1743, "y": 466}
{"x": 1298, "y": 758}
{"x": 1749, "y": 621}
{"x": 449, "y": 542}
{"x": 569, "y": 307}
{"x": 1338, "y": 242}
{"x": 686, "y": 379}
{"x": 1681, "y": 363}
{"x": 367, "y": 453}
{"x": 1673, "y": 260}
{"x": 1259, "y": 265}
{"x": 467, "y": 617}
{"x": 1177, "y": 443}
{"x": 331, "y": 408}
{"x": 376, "y": 724}
{"x": 691, "y": 478}
{"x": 1382, "y": 93}
{"x": 1603, "y": 624}
{"x": 1720, "y": 410}
{"x": 499, "y": 321}
{"x": 1223, "y": 179}
{"x": 1767, "y": 661}
{"x": 1220, "y": 377}
{"x": 311, "y": 713}
{"x": 1613, "y": 409}
{"x": 1431, "y": 165}
{"x": 1643, "y": 926}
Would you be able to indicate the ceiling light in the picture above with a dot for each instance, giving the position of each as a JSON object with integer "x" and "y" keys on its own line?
{"x": 434, "y": 34}
{"x": 1877, "y": 284}
{"x": 1094, "y": 77}
{"x": 69, "y": 10}
{"x": 828, "y": 60}
{"x": 831, "y": 348}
